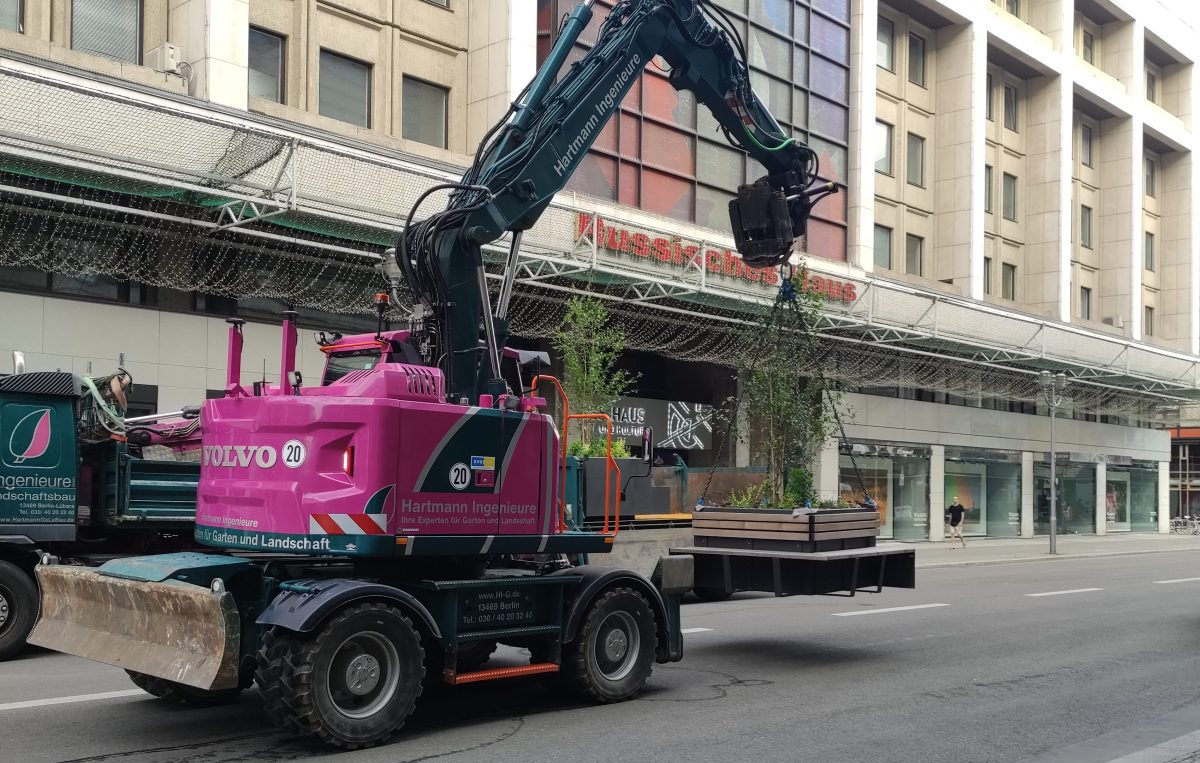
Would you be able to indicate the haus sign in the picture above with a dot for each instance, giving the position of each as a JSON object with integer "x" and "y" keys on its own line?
{"x": 677, "y": 425}
{"x": 679, "y": 253}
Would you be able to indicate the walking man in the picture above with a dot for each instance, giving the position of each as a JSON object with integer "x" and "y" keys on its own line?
{"x": 955, "y": 516}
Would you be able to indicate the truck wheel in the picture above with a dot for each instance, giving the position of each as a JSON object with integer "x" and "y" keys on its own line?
{"x": 182, "y": 693}
{"x": 474, "y": 655}
{"x": 613, "y": 653}
{"x": 352, "y": 683}
{"x": 18, "y": 608}
{"x": 712, "y": 594}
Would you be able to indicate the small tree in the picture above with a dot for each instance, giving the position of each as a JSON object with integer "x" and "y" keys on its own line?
{"x": 590, "y": 346}
{"x": 792, "y": 401}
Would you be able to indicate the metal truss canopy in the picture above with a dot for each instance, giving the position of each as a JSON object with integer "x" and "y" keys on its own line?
{"x": 261, "y": 176}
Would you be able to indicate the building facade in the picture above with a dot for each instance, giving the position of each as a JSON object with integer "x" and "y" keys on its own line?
{"x": 1015, "y": 196}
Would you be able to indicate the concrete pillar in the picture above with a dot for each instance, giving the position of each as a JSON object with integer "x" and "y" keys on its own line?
{"x": 1164, "y": 496}
{"x": 937, "y": 492}
{"x": 1027, "y": 508}
{"x": 214, "y": 36}
{"x": 860, "y": 181}
{"x": 501, "y": 59}
{"x": 1101, "y": 505}
{"x": 826, "y": 472}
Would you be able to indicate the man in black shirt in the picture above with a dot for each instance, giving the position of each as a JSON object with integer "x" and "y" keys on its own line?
{"x": 954, "y": 514}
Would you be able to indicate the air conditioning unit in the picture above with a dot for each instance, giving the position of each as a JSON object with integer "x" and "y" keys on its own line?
{"x": 1117, "y": 321}
{"x": 165, "y": 58}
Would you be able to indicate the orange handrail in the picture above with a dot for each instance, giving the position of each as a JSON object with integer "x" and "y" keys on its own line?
{"x": 610, "y": 463}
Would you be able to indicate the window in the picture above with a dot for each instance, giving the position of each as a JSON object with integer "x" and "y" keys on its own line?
{"x": 987, "y": 275}
{"x": 883, "y": 147}
{"x": 989, "y": 97}
{"x": 1085, "y": 226}
{"x": 1088, "y": 49}
{"x": 10, "y": 15}
{"x": 1148, "y": 322}
{"x": 1010, "y": 196}
{"x": 1151, "y": 177}
{"x": 1148, "y": 252}
{"x": 916, "y": 160}
{"x": 885, "y": 37}
{"x": 344, "y": 89}
{"x": 883, "y": 247}
{"x": 1013, "y": 7}
{"x": 914, "y": 255}
{"x": 1008, "y": 281}
{"x": 1151, "y": 87}
{"x": 1085, "y": 303}
{"x": 1085, "y": 145}
{"x": 425, "y": 112}
{"x": 987, "y": 188}
{"x": 266, "y": 65}
{"x": 916, "y": 60}
{"x": 1010, "y": 107}
{"x": 110, "y": 28}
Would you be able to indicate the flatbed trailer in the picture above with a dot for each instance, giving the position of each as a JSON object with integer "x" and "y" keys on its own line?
{"x": 722, "y": 572}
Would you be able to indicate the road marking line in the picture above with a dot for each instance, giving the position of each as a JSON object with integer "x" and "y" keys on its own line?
{"x": 695, "y": 630}
{"x": 1060, "y": 593}
{"x": 886, "y": 609}
{"x": 1176, "y": 580}
{"x": 69, "y": 700}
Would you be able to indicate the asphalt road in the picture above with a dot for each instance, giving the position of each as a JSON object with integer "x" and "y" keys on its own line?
{"x": 990, "y": 673}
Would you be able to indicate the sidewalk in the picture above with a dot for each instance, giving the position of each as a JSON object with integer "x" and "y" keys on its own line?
{"x": 1002, "y": 550}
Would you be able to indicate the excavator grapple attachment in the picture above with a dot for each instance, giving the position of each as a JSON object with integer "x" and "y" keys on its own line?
{"x": 172, "y": 630}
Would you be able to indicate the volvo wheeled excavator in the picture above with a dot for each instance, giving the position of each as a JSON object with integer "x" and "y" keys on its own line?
{"x": 389, "y": 528}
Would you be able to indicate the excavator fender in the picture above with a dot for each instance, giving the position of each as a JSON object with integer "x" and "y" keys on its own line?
{"x": 303, "y": 605}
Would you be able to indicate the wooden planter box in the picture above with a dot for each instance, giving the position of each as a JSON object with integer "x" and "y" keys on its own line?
{"x": 778, "y": 530}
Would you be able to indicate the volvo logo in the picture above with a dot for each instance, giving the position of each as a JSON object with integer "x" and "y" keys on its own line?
{"x": 262, "y": 456}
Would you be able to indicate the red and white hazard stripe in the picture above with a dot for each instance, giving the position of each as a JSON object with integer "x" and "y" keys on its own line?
{"x": 347, "y": 524}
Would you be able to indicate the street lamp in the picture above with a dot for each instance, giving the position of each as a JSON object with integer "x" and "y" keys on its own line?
{"x": 1052, "y": 389}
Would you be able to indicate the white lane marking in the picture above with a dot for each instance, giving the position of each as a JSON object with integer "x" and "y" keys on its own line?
{"x": 1176, "y": 580}
{"x": 695, "y": 630}
{"x": 1060, "y": 593}
{"x": 69, "y": 700}
{"x": 886, "y": 609}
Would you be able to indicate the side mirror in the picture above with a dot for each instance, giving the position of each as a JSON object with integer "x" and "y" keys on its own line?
{"x": 648, "y": 445}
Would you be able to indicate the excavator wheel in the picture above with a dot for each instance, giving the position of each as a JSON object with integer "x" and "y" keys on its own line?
{"x": 351, "y": 683}
{"x": 18, "y": 608}
{"x": 613, "y": 652}
{"x": 182, "y": 693}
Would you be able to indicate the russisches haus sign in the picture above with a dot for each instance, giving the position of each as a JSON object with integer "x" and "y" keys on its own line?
{"x": 676, "y": 252}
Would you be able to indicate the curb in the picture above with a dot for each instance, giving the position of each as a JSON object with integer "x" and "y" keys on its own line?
{"x": 1048, "y": 558}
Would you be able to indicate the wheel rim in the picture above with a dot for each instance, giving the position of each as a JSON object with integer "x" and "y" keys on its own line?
{"x": 363, "y": 675}
{"x": 617, "y": 646}
{"x": 5, "y": 609}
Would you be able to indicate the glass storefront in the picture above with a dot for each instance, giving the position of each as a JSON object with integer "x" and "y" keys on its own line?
{"x": 897, "y": 478}
{"x": 988, "y": 485}
{"x": 1076, "y": 498}
{"x": 1131, "y": 497}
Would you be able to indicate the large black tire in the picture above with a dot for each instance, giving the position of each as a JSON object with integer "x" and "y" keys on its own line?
{"x": 351, "y": 683}
{"x": 18, "y": 608}
{"x": 613, "y": 652}
{"x": 712, "y": 594}
{"x": 182, "y": 693}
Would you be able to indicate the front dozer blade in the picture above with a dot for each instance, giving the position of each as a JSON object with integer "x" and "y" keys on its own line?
{"x": 171, "y": 630}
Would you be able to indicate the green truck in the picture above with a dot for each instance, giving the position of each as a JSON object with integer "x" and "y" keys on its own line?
{"x": 77, "y": 485}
